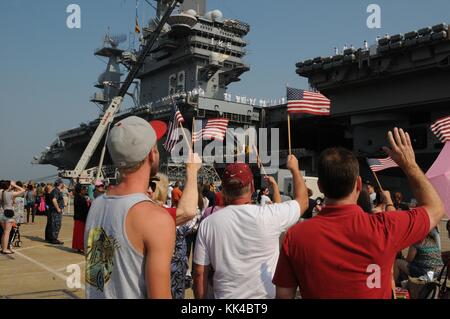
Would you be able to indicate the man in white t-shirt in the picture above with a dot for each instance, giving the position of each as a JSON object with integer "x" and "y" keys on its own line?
{"x": 240, "y": 242}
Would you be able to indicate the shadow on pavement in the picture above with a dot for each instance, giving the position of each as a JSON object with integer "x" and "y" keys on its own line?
{"x": 34, "y": 238}
{"x": 63, "y": 248}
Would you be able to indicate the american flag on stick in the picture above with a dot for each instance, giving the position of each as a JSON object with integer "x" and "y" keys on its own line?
{"x": 172, "y": 133}
{"x": 380, "y": 164}
{"x": 301, "y": 101}
{"x": 441, "y": 128}
{"x": 211, "y": 129}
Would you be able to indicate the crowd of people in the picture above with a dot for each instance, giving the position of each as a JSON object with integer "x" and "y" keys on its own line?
{"x": 139, "y": 235}
{"x": 143, "y": 229}
{"x": 20, "y": 203}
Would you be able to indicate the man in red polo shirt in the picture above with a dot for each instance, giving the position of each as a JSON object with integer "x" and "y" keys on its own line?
{"x": 344, "y": 252}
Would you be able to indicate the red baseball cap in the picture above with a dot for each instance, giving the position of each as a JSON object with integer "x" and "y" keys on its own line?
{"x": 237, "y": 175}
{"x": 160, "y": 128}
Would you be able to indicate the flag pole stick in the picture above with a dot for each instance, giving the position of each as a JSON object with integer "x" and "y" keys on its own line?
{"x": 185, "y": 137}
{"x": 377, "y": 180}
{"x": 394, "y": 295}
{"x": 289, "y": 134}
{"x": 182, "y": 129}
{"x": 259, "y": 160}
{"x": 193, "y": 131}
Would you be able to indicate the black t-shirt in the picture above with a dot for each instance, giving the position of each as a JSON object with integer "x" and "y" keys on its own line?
{"x": 81, "y": 208}
{"x": 309, "y": 212}
{"x": 48, "y": 200}
{"x": 55, "y": 194}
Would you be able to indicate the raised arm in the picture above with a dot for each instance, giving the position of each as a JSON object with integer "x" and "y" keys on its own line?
{"x": 300, "y": 189}
{"x": 187, "y": 206}
{"x": 17, "y": 189}
{"x": 276, "y": 190}
{"x": 402, "y": 153}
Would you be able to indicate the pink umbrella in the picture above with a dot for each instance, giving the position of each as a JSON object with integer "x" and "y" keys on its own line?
{"x": 439, "y": 176}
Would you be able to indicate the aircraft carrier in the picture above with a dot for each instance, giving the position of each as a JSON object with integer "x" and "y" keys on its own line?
{"x": 399, "y": 81}
{"x": 196, "y": 57}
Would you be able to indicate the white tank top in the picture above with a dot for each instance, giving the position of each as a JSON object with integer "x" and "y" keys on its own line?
{"x": 114, "y": 268}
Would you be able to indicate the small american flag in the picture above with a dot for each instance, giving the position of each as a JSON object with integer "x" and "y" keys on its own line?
{"x": 300, "y": 101}
{"x": 211, "y": 129}
{"x": 173, "y": 134}
{"x": 441, "y": 128}
{"x": 380, "y": 164}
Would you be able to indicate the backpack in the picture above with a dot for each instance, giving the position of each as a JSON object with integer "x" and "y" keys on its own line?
{"x": 29, "y": 198}
{"x": 42, "y": 207}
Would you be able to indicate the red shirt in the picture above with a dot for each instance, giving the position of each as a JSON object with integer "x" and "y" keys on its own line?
{"x": 337, "y": 253}
{"x": 173, "y": 213}
{"x": 219, "y": 199}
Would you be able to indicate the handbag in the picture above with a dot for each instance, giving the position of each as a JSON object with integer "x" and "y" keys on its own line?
{"x": 437, "y": 289}
{"x": 42, "y": 206}
{"x": 8, "y": 213}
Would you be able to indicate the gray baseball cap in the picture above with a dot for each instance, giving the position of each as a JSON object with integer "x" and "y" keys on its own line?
{"x": 131, "y": 139}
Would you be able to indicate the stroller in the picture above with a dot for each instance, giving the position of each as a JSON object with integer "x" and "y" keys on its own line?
{"x": 14, "y": 236}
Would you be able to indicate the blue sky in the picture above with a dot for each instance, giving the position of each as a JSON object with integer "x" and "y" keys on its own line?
{"x": 48, "y": 70}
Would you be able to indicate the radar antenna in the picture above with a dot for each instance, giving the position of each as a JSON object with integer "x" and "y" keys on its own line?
{"x": 114, "y": 40}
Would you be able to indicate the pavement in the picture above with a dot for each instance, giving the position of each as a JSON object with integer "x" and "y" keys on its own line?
{"x": 39, "y": 270}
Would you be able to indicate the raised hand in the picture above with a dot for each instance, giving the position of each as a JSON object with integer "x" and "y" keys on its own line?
{"x": 401, "y": 150}
{"x": 194, "y": 162}
{"x": 270, "y": 180}
{"x": 292, "y": 163}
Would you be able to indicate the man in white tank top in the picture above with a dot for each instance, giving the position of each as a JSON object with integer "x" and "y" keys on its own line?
{"x": 129, "y": 239}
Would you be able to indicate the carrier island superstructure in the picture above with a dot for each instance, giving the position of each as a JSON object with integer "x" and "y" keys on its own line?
{"x": 196, "y": 57}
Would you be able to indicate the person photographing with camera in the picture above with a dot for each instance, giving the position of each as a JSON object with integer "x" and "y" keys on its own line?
{"x": 9, "y": 191}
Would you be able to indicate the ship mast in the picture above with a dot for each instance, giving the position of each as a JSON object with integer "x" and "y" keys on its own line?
{"x": 161, "y": 7}
{"x": 198, "y": 5}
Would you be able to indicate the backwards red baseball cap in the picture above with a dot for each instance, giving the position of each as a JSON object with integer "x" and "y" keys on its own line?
{"x": 237, "y": 175}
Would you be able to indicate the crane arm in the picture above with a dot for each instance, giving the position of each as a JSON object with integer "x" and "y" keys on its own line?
{"x": 113, "y": 108}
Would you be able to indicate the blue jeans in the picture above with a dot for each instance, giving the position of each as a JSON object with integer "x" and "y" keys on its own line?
{"x": 53, "y": 224}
